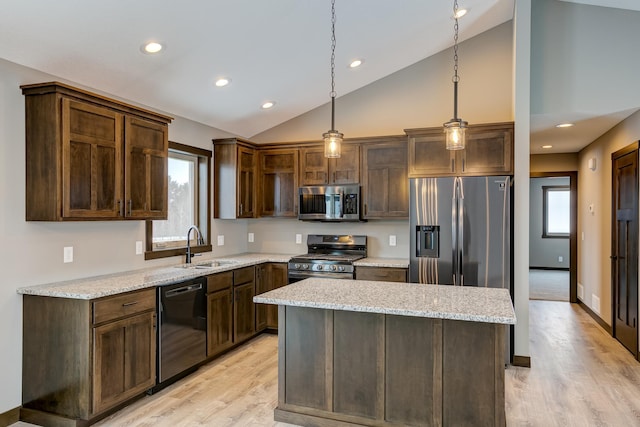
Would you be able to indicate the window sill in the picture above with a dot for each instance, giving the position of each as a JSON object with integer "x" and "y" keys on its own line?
{"x": 166, "y": 253}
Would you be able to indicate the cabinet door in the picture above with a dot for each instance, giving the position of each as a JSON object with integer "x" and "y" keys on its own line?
{"x": 244, "y": 325}
{"x": 346, "y": 168}
{"x": 92, "y": 161}
{"x": 314, "y": 166}
{"x": 385, "y": 186}
{"x": 278, "y": 276}
{"x": 146, "y": 176}
{"x": 384, "y": 274}
{"x": 124, "y": 360}
{"x": 219, "y": 321}
{"x": 428, "y": 155}
{"x": 263, "y": 284}
{"x": 279, "y": 178}
{"x": 488, "y": 151}
{"x": 246, "y": 183}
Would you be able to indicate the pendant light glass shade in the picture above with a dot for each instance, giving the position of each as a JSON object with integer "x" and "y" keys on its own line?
{"x": 332, "y": 143}
{"x": 455, "y": 131}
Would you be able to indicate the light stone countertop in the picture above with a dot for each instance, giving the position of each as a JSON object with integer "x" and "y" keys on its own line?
{"x": 487, "y": 305}
{"x": 112, "y": 284}
{"x": 382, "y": 262}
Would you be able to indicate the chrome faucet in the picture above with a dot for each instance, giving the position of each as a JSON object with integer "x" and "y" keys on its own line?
{"x": 199, "y": 239}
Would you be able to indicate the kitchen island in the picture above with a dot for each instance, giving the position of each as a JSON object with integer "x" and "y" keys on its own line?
{"x": 370, "y": 353}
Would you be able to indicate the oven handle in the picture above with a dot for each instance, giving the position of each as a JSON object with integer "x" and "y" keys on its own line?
{"x": 183, "y": 290}
{"x": 300, "y": 276}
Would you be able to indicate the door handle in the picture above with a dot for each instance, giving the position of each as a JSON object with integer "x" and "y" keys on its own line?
{"x": 613, "y": 257}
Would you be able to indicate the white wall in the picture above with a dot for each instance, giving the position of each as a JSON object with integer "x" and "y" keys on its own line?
{"x": 544, "y": 252}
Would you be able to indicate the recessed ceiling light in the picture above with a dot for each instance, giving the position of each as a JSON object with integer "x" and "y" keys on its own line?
{"x": 222, "y": 82}
{"x": 460, "y": 13}
{"x": 547, "y": 146}
{"x": 356, "y": 63}
{"x": 564, "y": 125}
{"x": 268, "y": 104}
{"x": 152, "y": 47}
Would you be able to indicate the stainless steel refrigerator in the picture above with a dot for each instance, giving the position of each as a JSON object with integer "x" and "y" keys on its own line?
{"x": 461, "y": 233}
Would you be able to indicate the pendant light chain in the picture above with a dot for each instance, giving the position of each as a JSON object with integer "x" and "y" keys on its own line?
{"x": 456, "y": 78}
{"x": 333, "y": 50}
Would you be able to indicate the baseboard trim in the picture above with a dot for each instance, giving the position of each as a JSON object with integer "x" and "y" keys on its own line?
{"x": 595, "y": 317}
{"x": 10, "y": 417}
{"x": 522, "y": 361}
{"x": 550, "y": 268}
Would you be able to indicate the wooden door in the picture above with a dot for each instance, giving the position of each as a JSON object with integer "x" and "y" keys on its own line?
{"x": 346, "y": 168}
{"x": 244, "y": 324}
{"x": 219, "y": 321}
{"x": 146, "y": 177}
{"x": 92, "y": 161}
{"x": 124, "y": 360}
{"x": 385, "y": 185}
{"x": 624, "y": 251}
{"x": 279, "y": 178}
{"x": 246, "y": 183}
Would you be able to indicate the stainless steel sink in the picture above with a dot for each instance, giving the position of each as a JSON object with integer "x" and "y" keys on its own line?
{"x": 207, "y": 264}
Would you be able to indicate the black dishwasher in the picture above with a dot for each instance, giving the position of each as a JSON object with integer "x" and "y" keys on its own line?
{"x": 182, "y": 328}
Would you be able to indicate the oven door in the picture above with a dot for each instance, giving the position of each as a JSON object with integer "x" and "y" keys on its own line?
{"x": 296, "y": 276}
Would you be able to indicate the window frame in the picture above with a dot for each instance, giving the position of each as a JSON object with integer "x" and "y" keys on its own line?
{"x": 545, "y": 190}
{"x": 202, "y": 208}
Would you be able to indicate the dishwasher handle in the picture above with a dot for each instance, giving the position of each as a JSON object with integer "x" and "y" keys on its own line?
{"x": 183, "y": 290}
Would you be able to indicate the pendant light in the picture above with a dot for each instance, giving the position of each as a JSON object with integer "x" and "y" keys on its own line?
{"x": 332, "y": 138}
{"x": 456, "y": 127}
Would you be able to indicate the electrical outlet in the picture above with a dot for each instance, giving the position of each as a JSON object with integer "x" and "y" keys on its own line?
{"x": 139, "y": 247}
{"x": 68, "y": 254}
{"x": 560, "y": 258}
{"x": 583, "y": 236}
{"x": 251, "y": 237}
{"x": 392, "y": 240}
{"x": 221, "y": 240}
{"x": 299, "y": 239}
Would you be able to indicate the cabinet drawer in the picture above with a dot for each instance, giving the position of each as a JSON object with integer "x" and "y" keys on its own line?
{"x": 220, "y": 281}
{"x": 118, "y": 306}
{"x": 386, "y": 274}
{"x": 243, "y": 275}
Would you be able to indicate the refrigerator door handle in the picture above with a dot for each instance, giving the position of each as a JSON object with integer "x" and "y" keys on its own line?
{"x": 460, "y": 232}
{"x": 454, "y": 232}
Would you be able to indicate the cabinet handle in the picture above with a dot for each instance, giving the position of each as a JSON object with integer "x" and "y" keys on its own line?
{"x": 120, "y": 208}
{"x": 130, "y": 206}
{"x": 240, "y": 209}
{"x": 334, "y": 178}
{"x": 365, "y": 209}
{"x": 453, "y": 165}
{"x": 129, "y": 304}
{"x": 463, "y": 165}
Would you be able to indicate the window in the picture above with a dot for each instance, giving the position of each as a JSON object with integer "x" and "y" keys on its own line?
{"x": 188, "y": 187}
{"x": 556, "y": 217}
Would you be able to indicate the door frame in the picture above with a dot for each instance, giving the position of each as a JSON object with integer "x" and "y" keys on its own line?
{"x": 573, "y": 230}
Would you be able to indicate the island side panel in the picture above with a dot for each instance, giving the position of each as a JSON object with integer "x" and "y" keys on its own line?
{"x": 413, "y": 370}
{"x": 359, "y": 364}
{"x": 472, "y": 374}
{"x": 308, "y": 358}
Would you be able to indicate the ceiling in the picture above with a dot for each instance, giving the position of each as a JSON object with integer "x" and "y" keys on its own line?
{"x": 275, "y": 50}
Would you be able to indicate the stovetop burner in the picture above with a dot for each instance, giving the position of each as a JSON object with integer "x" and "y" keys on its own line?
{"x": 328, "y": 256}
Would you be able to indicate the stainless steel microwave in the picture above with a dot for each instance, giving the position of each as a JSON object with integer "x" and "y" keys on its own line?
{"x": 329, "y": 203}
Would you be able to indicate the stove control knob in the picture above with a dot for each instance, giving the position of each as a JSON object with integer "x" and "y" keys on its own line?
{"x": 319, "y": 267}
{"x": 334, "y": 268}
{"x": 341, "y": 268}
{"x": 305, "y": 266}
{"x": 297, "y": 266}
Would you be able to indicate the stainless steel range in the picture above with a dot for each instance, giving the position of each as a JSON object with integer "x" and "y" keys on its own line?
{"x": 330, "y": 256}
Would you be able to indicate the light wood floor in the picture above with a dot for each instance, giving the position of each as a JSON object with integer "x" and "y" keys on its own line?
{"x": 580, "y": 376}
{"x": 549, "y": 285}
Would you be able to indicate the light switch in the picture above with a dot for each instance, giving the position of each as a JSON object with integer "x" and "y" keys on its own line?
{"x": 299, "y": 239}
{"x": 251, "y": 237}
{"x": 139, "y": 247}
{"x": 68, "y": 254}
{"x": 221, "y": 240}
{"x": 392, "y": 240}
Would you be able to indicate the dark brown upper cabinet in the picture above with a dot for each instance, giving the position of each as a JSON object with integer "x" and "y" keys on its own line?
{"x": 316, "y": 169}
{"x": 278, "y": 182}
{"x": 89, "y": 157}
{"x": 488, "y": 151}
{"x": 235, "y": 171}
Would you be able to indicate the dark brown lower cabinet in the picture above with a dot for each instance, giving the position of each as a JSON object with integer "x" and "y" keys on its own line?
{"x": 244, "y": 309}
{"x": 384, "y": 274}
{"x": 220, "y": 321}
{"x": 269, "y": 276}
{"x": 343, "y": 368}
{"x": 82, "y": 358}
